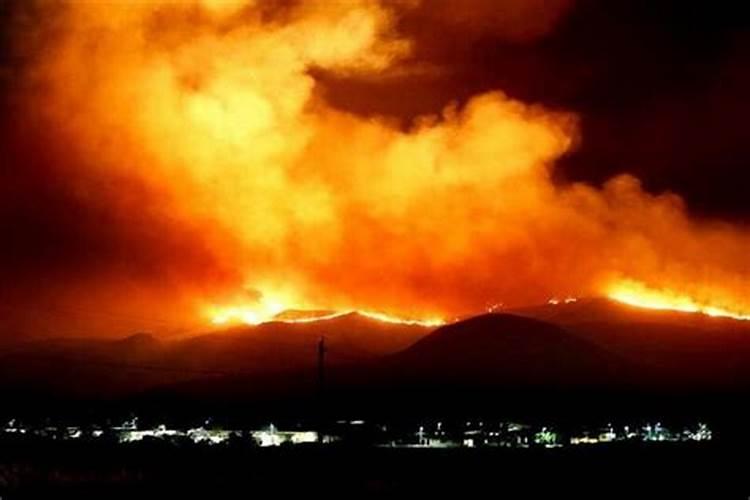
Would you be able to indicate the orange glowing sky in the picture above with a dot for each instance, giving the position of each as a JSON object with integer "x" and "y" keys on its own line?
{"x": 212, "y": 107}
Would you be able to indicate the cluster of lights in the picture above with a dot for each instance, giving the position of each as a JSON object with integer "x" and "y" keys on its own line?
{"x": 507, "y": 434}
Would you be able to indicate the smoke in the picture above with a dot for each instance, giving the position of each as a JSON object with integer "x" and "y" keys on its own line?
{"x": 515, "y": 21}
{"x": 209, "y": 170}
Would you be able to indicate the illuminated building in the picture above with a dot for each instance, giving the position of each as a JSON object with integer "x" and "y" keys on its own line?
{"x": 161, "y": 432}
{"x": 209, "y": 436}
{"x": 271, "y": 436}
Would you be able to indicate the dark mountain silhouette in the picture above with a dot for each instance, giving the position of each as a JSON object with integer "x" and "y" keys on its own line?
{"x": 503, "y": 349}
{"x": 686, "y": 350}
{"x": 83, "y": 367}
{"x": 604, "y": 310}
{"x": 462, "y": 365}
{"x": 567, "y": 356}
{"x": 280, "y": 347}
{"x": 112, "y": 368}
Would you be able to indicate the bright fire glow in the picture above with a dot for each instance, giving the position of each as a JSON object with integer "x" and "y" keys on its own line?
{"x": 637, "y": 294}
{"x": 387, "y": 318}
{"x": 568, "y": 300}
{"x": 264, "y": 311}
{"x": 220, "y": 115}
{"x": 264, "y": 314}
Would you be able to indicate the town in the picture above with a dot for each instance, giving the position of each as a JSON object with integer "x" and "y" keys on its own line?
{"x": 433, "y": 434}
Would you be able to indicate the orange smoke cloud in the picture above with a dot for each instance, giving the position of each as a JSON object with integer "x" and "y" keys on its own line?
{"x": 212, "y": 105}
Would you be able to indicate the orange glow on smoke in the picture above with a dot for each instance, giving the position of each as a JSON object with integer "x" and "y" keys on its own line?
{"x": 639, "y": 295}
{"x": 213, "y": 105}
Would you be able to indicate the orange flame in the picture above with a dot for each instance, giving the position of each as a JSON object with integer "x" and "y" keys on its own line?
{"x": 250, "y": 316}
{"x": 638, "y": 294}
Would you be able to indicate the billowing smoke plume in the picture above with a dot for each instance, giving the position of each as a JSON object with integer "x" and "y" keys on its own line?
{"x": 210, "y": 171}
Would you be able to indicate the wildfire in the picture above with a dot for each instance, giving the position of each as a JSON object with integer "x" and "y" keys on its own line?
{"x": 265, "y": 314}
{"x": 555, "y": 301}
{"x": 638, "y": 294}
{"x": 387, "y": 318}
{"x": 220, "y": 115}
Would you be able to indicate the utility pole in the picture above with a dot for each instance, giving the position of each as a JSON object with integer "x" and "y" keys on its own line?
{"x": 321, "y": 366}
{"x": 321, "y": 406}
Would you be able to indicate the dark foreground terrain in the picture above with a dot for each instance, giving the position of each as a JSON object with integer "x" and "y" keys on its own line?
{"x": 165, "y": 470}
{"x": 572, "y": 364}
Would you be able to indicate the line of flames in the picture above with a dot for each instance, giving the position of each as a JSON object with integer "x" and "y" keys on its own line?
{"x": 232, "y": 315}
{"x": 638, "y": 294}
{"x": 628, "y": 292}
